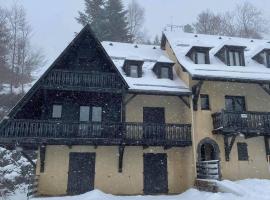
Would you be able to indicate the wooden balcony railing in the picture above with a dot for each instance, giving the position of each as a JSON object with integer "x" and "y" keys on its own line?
{"x": 62, "y": 79}
{"x": 208, "y": 170}
{"x": 244, "y": 122}
{"x": 110, "y": 133}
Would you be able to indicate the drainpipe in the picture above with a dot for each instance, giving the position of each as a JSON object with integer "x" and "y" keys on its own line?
{"x": 193, "y": 138}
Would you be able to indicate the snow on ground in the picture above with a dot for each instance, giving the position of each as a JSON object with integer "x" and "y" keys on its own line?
{"x": 250, "y": 189}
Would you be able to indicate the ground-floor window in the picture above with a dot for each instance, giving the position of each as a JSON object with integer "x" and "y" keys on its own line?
{"x": 242, "y": 151}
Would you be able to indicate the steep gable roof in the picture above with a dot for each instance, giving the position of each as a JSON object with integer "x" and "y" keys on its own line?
{"x": 86, "y": 31}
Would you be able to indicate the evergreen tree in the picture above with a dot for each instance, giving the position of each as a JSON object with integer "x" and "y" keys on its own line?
{"x": 117, "y": 21}
{"x": 188, "y": 28}
{"x": 156, "y": 40}
{"x": 94, "y": 14}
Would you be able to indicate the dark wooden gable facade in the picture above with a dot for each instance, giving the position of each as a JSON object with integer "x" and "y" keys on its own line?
{"x": 81, "y": 100}
{"x": 83, "y": 75}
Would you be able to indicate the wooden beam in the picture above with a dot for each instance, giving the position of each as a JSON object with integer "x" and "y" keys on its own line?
{"x": 42, "y": 154}
{"x": 121, "y": 150}
{"x": 196, "y": 89}
{"x": 129, "y": 99}
{"x": 228, "y": 146}
{"x": 267, "y": 145}
{"x": 266, "y": 88}
{"x": 186, "y": 102}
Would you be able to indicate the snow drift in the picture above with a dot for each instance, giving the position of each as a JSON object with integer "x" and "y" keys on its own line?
{"x": 250, "y": 189}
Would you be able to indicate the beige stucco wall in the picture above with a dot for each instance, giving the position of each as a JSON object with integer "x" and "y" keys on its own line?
{"x": 256, "y": 100}
{"x": 175, "y": 110}
{"x": 107, "y": 178}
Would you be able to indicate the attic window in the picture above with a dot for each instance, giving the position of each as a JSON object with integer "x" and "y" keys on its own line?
{"x": 264, "y": 58}
{"x": 235, "y": 58}
{"x": 199, "y": 55}
{"x": 232, "y": 55}
{"x": 133, "y": 68}
{"x": 134, "y": 72}
{"x": 164, "y": 72}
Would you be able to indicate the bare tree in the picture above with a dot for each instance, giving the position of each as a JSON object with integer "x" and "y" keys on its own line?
{"x": 136, "y": 17}
{"x": 208, "y": 23}
{"x": 23, "y": 60}
{"x": 250, "y": 21}
{"x": 245, "y": 21}
{"x": 4, "y": 47}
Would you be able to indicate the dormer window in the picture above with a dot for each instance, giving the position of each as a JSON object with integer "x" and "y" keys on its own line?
{"x": 164, "y": 70}
{"x": 199, "y": 55}
{"x": 232, "y": 55}
{"x": 234, "y": 58}
{"x": 263, "y": 57}
{"x": 133, "y": 68}
{"x": 134, "y": 73}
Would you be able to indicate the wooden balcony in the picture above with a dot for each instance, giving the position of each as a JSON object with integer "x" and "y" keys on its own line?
{"x": 83, "y": 81}
{"x": 248, "y": 123}
{"x": 71, "y": 133}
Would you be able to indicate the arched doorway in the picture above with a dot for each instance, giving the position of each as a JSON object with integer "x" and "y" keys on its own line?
{"x": 208, "y": 150}
{"x": 208, "y": 165}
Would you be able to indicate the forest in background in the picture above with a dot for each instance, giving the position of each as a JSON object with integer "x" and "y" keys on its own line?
{"x": 110, "y": 20}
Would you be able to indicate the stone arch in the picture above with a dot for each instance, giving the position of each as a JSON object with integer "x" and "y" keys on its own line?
{"x": 208, "y": 149}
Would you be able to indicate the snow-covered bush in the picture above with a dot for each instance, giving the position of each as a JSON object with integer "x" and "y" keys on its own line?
{"x": 15, "y": 171}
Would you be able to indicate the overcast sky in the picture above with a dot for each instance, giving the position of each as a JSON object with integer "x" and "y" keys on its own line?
{"x": 54, "y": 25}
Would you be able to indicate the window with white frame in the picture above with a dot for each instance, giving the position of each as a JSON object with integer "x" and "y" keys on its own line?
{"x": 57, "y": 111}
{"x": 164, "y": 72}
{"x": 235, "y": 58}
{"x": 134, "y": 71}
{"x": 84, "y": 113}
{"x": 97, "y": 114}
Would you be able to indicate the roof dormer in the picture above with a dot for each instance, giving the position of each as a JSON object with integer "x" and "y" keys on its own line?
{"x": 263, "y": 57}
{"x": 164, "y": 70}
{"x": 133, "y": 68}
{"x": 199, "y": 55}
{"x": 232, "y": 55}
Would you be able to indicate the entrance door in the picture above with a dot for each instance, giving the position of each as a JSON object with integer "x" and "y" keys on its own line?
{"x": 155, "y": 174}
{"x": 208, "y": 152}
{"x": 154, "y": 121}
{"x": 81, "y": 173}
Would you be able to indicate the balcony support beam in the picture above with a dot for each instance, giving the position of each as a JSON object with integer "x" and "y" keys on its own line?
{"x": 129, "y": 99}
{"x": 121, "y": 151}
{"x": 185, "y": 101}
{"x": 196, "y": 89}
{"x": 267, "y": 145}
{"x": 42, "y": 154}
{"x": 266, "y": 88}
{"x": 228, "y": 143}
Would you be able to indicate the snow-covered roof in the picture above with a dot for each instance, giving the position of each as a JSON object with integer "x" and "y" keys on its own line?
{"x": 182, "y": 42}
{"x": 150, "y": 55}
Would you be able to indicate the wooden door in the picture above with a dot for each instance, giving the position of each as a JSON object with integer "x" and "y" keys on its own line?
{"x": 155, "y": 174}
{"x": 81, "y": 175}
{"x": 154, "y": 122}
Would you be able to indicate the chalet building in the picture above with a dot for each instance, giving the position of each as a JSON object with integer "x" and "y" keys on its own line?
{"x": 229, "y": 78}
{"x": 140, "y": 119}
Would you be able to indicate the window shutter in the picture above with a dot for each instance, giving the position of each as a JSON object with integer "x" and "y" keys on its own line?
{"x": 139, "y": 71}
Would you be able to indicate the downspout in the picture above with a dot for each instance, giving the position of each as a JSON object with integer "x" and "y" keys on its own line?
{"x": 193, "y": 139}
